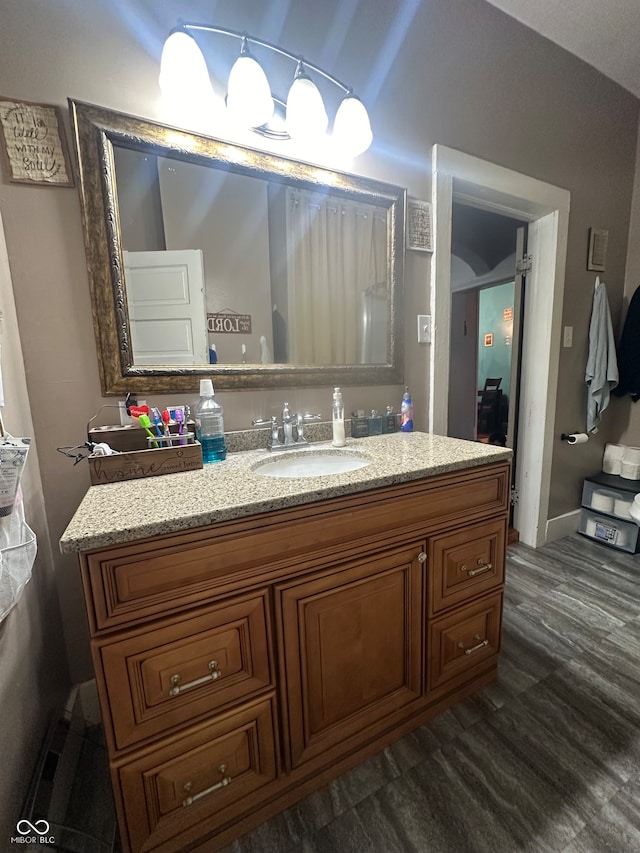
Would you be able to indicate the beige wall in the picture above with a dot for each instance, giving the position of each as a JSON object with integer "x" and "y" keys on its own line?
{"x": 457, "y": 73}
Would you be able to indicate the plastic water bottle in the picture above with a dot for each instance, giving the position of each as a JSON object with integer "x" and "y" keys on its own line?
{"x": 209, "y": 424}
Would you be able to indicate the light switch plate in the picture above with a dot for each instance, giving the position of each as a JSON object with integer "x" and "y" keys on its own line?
{"x": 424, "y": 328}
{"x": 568, "y": 336}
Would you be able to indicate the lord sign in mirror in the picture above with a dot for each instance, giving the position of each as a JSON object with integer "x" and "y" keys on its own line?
{"x": 206, "y": 258}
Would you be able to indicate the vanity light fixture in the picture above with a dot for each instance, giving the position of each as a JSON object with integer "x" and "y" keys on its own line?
{"x": 184, "y": 73}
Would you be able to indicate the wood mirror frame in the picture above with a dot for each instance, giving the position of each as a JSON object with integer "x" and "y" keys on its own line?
{"x": 95, "y": 131}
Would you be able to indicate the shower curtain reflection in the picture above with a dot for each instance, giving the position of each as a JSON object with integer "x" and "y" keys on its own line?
{"x": 336, "y": 254}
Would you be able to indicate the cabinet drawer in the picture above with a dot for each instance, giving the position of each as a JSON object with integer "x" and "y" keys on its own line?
{"x": 610, "y": 531}
{"x": 130, "y": 583}
{"x": 186, "y": 787}
{"x": 612, "y": 496}
{"x": 185, "y": 667}
{"x": 463, "y": 642}
{"x": 465, "y": 564}
{"x": 352, "y": 642}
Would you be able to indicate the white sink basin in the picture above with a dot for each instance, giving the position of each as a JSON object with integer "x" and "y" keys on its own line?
{"x": 304, "y": 463}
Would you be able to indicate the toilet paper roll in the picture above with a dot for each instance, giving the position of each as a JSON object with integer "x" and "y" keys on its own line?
{"x": 602, "y": 501}
{"x": 622, "y": 507}
{"x": 578, "y": 438}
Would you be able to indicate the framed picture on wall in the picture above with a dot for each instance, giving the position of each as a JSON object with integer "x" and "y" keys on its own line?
{"x": 488, "y": 339}
{"x": 33, "y": 148}
{"x": 418, "y": 227}
{"x": 597, "y": 256}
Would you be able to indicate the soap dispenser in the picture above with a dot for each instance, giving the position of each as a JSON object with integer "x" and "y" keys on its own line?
{"x": 339, "y": 439}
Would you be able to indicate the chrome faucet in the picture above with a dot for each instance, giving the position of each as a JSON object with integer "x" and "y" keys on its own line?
{"x": 289, "y": 420}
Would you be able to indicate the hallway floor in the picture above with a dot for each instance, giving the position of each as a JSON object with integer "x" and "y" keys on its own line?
{"x": 545, "y": 760}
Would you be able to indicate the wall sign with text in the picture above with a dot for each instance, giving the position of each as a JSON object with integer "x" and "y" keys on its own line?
{"x": 229, "y": 322}
{"x": 418, "y": 226}
{"x": 32, "y": 144}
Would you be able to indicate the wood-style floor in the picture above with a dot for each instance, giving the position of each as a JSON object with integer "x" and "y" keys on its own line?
{"x": 545, "y": 760}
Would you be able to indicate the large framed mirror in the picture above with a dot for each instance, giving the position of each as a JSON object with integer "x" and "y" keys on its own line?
{"x": 206, "y": 258}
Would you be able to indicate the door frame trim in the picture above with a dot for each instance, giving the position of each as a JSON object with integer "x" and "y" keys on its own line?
{"x": 545, "y": 207}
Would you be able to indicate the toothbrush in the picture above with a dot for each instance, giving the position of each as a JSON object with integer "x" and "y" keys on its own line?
{"x": 179, "y": 415}
{"x": 157, "y": 419}
{"x": 145, "y": 423}
{"x": 166, "y": 418}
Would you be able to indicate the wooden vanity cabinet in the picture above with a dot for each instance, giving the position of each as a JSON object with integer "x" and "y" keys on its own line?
{"x": 242, "y": 665}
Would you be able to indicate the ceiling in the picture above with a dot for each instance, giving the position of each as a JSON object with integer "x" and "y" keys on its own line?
{"x": 604, "y": 33}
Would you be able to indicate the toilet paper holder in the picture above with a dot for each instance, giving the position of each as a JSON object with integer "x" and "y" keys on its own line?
{"x": 574, "y": 438}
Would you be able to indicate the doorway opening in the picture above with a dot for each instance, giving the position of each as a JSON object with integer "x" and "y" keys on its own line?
{"x": 545, "y": 207}
{"x": 485, "y": 321}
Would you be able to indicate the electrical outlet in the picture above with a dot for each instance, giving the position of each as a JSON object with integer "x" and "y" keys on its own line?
{"x": 125, "y": 419}
{"x": 424, "y": 328}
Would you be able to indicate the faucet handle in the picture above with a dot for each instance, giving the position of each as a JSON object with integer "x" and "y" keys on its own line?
{"x": 309, "y": 416}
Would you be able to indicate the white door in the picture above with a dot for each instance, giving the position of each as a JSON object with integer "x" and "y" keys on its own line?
{"x": 167, "y": 314}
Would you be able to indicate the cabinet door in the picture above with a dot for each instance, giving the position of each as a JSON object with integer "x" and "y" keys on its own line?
{"x": 352, "y": 649}
{"x": 465, "y": 564}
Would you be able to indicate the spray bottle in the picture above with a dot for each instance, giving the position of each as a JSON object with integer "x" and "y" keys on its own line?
{"x": 406, "y": 412}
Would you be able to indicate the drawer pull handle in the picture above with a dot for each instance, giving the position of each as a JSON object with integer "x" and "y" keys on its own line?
{"x": 192, "y": 798}
{"x": 177, "y": 688}
{"x": 485, "y": 568}
{"x": 476, "y": 648}
{"x": 422, "y": 557}
{"x": 482, "y": 567}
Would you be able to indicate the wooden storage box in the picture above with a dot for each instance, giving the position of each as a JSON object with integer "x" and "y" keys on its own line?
{"x": 137, "y": 464}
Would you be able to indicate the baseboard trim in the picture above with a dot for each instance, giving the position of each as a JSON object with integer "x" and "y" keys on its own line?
{"x": 562, "y": 525}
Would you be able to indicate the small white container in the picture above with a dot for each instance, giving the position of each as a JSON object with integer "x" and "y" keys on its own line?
{"x": 634, "y": 510}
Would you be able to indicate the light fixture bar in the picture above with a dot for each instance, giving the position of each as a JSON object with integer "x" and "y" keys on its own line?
{"x": 250, "y": 101}
{"x": 209, "y": 28}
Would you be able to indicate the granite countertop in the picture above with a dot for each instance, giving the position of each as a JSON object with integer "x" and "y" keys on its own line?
{"x": 121, "y": 512}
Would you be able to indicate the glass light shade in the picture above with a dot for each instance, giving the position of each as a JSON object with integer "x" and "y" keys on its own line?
{"x": 306, "y": 115}
{"x": 249, "y": 97}
{"x": 183, "y": 70}
{"x": 351, "y": 128}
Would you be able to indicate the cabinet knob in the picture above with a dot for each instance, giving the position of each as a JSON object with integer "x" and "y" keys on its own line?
{"x": 422, "y": 557}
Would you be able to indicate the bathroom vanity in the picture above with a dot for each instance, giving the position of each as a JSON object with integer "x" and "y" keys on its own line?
{"x": 254, "y": 637}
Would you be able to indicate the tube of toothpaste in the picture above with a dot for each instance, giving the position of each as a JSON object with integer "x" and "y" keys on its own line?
{"x": 13, "y": 455}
